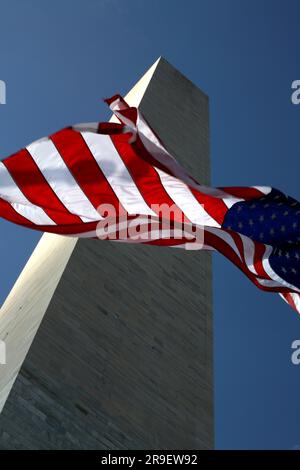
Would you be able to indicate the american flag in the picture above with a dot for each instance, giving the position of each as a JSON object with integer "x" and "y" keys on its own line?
{"x": 64, "y": 184}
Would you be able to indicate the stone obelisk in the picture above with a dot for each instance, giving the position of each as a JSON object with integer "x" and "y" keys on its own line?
{"x": 109, "y": 345}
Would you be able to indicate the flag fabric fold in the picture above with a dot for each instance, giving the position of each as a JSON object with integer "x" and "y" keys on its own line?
{"x": 118, "y": 181}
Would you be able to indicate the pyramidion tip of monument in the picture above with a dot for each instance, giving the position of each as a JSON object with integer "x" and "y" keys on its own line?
{"x": 137, "y": 92}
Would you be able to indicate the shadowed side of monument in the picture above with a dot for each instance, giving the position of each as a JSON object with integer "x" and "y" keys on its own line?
{"x": 123, "y": 356}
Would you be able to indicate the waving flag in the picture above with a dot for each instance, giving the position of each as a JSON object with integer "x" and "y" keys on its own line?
{"x": 118, "y": 181}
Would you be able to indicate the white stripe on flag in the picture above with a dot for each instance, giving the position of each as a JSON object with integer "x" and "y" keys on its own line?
{"x": 185, "y": 200}
{"x": 227, "y": 238}
{"x": 11, "y": 193}
{"x": 272, "y": 274}
{"x": 58, "y": 176}
{"x": 263, "y": 189}
{"x": 229, "y": 201}
{"x": 249, "y": 251}
{"x": 116, "y": 173}
{"x": 296, "y": 299}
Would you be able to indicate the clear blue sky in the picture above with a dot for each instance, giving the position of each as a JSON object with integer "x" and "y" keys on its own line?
{"x": 59, "y": 58}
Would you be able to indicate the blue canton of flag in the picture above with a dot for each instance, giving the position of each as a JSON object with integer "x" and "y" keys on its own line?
{"x": 274, "y": 220}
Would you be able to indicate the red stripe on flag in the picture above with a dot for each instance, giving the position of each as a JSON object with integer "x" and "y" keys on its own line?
{"x": 35, "y": 187}
{"x": 214, "y": 206}
{"x": 259, "y": 250}
{"x": 243, "y": 192}
{"x": 114, "y": 98}
{"x": 110, "y": 128}
{"x": 67, "y": 229}
{"x": 145, "y": 176}
{"x": 84, "y": 168}
{"x": 169, "y": 242}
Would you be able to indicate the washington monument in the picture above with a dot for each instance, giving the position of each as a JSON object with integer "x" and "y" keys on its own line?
{"x": 95, "y": 364}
